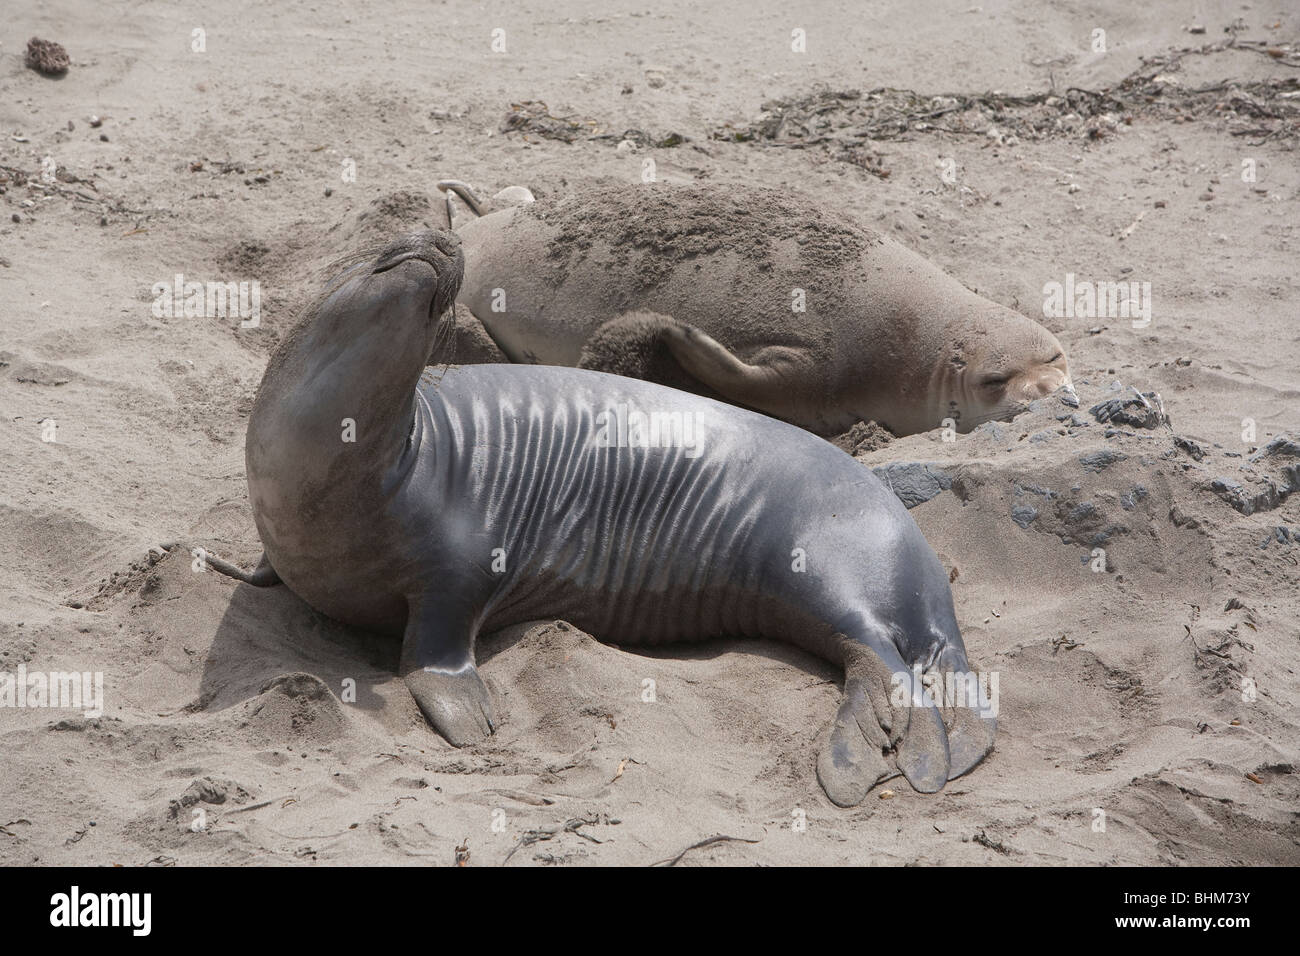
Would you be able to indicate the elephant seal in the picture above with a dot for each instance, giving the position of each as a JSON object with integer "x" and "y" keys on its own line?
{"x": 437, "y": 507}
{"x": 772, "y": 302}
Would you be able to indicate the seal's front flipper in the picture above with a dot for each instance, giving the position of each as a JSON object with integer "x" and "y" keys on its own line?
{"x": 632, "y": 345}
{"x": 768, "y": 384}
{"x": 455, "y": 703}
{"x": 437, "y": 665}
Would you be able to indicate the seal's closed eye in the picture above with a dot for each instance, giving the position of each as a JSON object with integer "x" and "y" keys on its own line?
{"x": 391, "y": 262}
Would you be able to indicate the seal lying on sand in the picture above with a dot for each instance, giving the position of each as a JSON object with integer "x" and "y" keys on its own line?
{"x": 439, "y": 508}
{"x": 767, "y": 300}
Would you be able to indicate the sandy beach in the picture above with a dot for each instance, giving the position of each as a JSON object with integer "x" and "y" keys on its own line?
{"x": 1150, "y": 707}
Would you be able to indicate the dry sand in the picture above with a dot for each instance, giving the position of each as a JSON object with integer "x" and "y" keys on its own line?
{"x": 1121, "y": 691}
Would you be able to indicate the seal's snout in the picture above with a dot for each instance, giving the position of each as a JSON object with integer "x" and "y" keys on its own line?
{"x": 1041, "y": 382}
{"x": 440, "y": 250}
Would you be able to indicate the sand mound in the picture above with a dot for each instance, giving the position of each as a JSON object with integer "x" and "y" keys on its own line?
{"x": 392, "y": 214}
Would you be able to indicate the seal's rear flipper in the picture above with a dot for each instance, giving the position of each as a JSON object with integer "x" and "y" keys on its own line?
{"x": 970, "y": 738}
{"x": 263, "y": 576}
{"x": 449, "y": 186}
{"x": 854, "y": 760}
{"x": 968, "y": 710}
{"x": 923, "y": 754}
{"x": 510, "y": 196}
{"x": 437, "y": 665}
{"x": 885, "y": 727}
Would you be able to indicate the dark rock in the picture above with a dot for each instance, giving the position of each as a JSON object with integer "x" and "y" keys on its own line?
{"x": 1265, "y": 492}
{"x": 47, "y": 57}
{"x": 1138, "y": 410}
{"x": 1282, "y": 535}
{"x": 1196, "y": 451}
{"x": 1285, "y": 452}
{"x": 1082, "y": 511}
{"x": 914, "y": 482}
{"x": 1236, "y": 495}
{"x": 1283, "y": 446}
{"x": 1022, "y": 488}
{"x": 1023, "y": 515}
{"x": 1097, "y": 460}
{"x": 1129, "y": 501}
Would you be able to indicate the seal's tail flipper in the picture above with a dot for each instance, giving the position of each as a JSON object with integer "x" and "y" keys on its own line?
{"x": 970, "y": 738}
{"x": 449, "y": 186}
{"x": 969, "y": 708}
{"x": 892, "y": 721}
{"x": 863, "y": 734}
{"x": 263, "y": 576}
{"x": 510, "y": 196}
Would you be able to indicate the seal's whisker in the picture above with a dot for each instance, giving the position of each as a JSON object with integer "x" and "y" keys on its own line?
{"x": 446, "y": 334}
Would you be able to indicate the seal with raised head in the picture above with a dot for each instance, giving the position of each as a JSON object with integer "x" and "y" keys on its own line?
{"x": 758, "y": 296}
{"x": 440, "y": 506}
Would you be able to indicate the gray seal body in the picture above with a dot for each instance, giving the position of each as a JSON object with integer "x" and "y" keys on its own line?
{"x": 442, "y": 505}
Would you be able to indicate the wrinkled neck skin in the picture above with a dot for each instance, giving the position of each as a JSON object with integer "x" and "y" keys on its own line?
{"x": 949, "y": 391}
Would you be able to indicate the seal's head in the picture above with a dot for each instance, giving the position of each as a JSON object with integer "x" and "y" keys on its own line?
{"x": 392, "y": 296}
{"x": 997, "y": 363}
{"x": 432, "y": 260}
{"x": 357, "y": 353}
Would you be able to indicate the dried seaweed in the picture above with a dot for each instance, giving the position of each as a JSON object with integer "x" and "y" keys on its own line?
{"x": 842, "y": 120}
